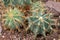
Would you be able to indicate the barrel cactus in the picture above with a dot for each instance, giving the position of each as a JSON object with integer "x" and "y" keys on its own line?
{"x": 13, "y": 18}
{"x": 16, "y": 2}
{"x": 7, "y": 2}
{"x": 39, "y": 21}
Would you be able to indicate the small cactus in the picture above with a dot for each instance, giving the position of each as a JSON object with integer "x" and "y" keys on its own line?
{"x": 16, "y": 2}
{"x": 39, "y": 23}
{"x": 7, "y": 2}
{"x": 13, "y": 18}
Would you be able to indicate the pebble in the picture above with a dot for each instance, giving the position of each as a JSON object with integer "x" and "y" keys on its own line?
{"x": 3, "y": 36}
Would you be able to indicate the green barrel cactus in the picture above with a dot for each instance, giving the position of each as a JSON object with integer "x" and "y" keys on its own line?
{"x": 16, "y": 2}
{"x": 13, "y": 18}
{"x": 39, "y": 21}
{"x": 8, "y": 2}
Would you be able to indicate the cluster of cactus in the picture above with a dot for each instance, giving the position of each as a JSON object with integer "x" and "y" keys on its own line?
{"x": 39, "y": 22}
{"x": 13, "y": 18}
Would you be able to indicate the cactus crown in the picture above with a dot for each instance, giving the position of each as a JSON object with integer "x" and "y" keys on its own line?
{"x": 39, "y": 23}
{"x": 13, "y": 18}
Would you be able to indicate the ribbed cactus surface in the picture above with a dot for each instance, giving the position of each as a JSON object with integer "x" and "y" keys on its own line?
{"x": 13, "y": 18}
{"x": 39, "y": 22}
{"x": 16, "y": 2}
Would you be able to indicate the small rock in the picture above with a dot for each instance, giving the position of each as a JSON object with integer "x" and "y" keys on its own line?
{"x": 54, "y": 39}
{"x": 3, "y": 36}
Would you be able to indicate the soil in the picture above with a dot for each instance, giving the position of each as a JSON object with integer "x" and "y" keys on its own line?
{"x": 7, "y": 35}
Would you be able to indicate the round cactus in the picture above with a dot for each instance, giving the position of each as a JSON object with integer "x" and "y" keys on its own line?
{"x": 13, "y": 18}
{"x": 39, "y": 22}
{"x": 7, "y": 2}
{"x": 16, "y": 2}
